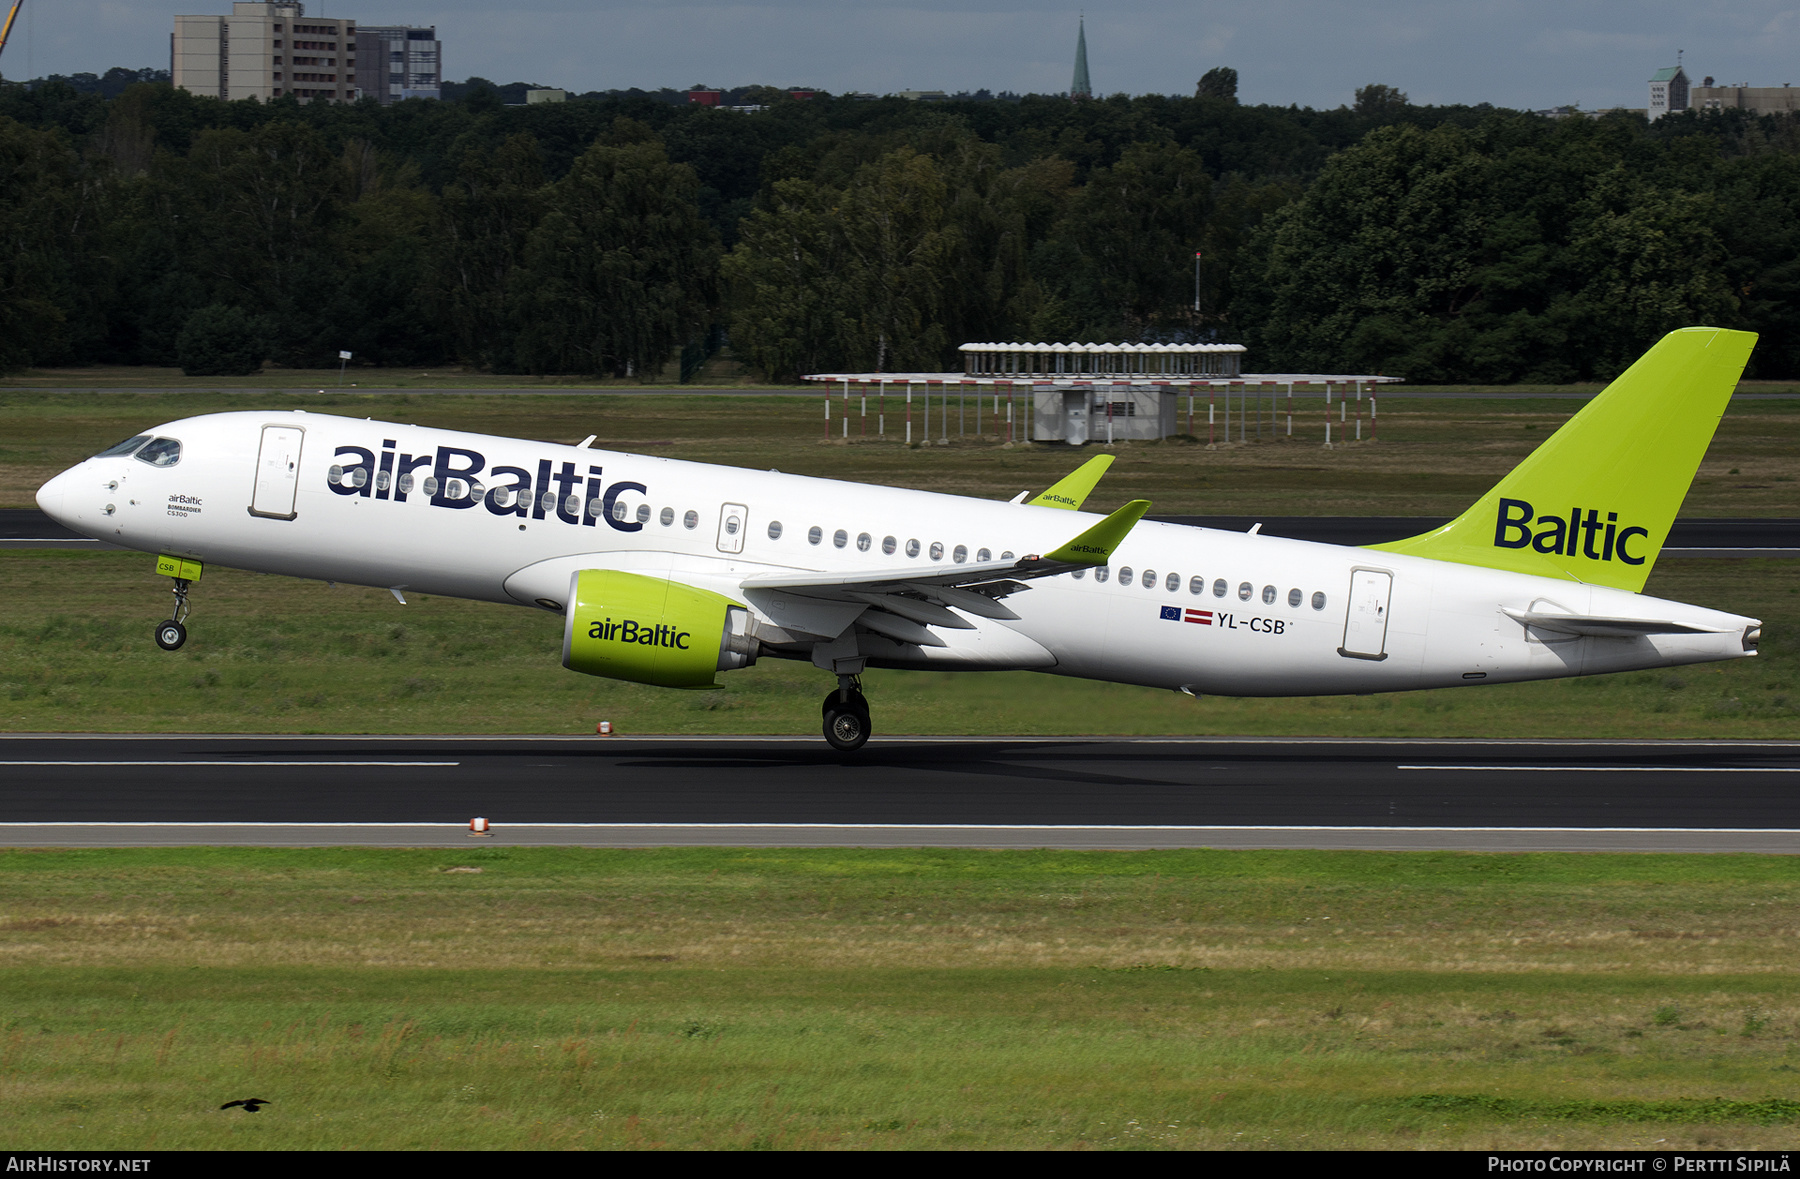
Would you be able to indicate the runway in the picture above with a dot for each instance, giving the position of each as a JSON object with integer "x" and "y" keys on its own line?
{"x": 982, "y": 792}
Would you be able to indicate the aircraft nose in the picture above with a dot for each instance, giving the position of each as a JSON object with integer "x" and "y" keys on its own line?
{"x": 51, "y": 495}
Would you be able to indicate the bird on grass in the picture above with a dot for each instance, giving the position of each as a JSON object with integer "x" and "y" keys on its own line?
{"x": 250, "y": 1104}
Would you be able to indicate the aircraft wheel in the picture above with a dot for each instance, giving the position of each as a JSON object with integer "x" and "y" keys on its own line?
{"x": 846, "y": 727}
{"x": 170, "y": 635}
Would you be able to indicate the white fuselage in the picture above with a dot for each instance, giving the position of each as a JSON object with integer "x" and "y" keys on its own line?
{"x": 1205, "y": 611}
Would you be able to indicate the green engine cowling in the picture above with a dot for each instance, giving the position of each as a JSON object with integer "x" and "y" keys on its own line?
{"x": 650, "y": 630}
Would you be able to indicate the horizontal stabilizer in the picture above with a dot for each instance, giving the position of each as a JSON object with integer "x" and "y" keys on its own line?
{"x": 1603, "y": 628}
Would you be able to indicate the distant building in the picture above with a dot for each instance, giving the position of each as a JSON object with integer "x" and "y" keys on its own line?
{"x": 533, "y": 97}
{"x": 922, "y": 95}
{"x": 1668, "y": 92}
{"x": 1080, "y": 88}
{"x": 397, "y": 62}
{"x": 701, "y": 96}
{"x": 265, "y": 51}
{"x": 1764, "y": 100}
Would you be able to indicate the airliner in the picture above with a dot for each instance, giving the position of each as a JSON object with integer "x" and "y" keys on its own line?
{"x": 671, "y": 573}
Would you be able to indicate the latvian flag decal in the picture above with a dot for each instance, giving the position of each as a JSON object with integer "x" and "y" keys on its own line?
{"x": 1175, "y": 614}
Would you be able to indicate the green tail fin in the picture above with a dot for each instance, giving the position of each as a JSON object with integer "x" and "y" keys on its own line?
{"x": 1595, "y": 502}
{"x": 1072, "y": 490}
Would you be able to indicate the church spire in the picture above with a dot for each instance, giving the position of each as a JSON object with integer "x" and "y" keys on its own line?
{"x": 1080, "y": 88}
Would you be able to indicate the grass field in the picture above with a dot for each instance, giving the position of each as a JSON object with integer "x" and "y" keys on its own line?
{"x": 546, "y": 998}
{"x": 1435, "y": 457}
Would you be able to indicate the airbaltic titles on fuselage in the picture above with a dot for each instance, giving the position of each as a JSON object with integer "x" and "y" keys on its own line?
{"x": 456, "y": 482}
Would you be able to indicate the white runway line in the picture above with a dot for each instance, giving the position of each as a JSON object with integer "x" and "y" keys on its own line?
{"x": 1620, "y": 769}
{"x": 245, "y": 764}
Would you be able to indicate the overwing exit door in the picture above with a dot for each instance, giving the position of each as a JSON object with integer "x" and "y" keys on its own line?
{"x": 1365, "y": 626}
{"x": 277, "y": 472}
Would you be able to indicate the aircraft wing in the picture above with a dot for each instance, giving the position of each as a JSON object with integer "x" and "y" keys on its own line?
{"x": 903, "y": 602}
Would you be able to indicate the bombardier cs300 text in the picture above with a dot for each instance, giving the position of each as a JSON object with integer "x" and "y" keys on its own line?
{"x": 670, "y": 572}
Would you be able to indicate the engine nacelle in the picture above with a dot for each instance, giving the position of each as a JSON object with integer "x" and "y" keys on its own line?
{"x": 651, "y": 630}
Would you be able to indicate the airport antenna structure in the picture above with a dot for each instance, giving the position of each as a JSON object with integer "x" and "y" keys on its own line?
{"x": 1080, "y": 88}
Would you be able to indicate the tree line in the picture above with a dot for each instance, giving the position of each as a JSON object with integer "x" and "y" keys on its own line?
{"x": 602, "y": 235}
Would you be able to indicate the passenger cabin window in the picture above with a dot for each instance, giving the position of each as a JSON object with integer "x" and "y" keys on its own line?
{"x": 912, "y": 548}
{"x": 960, "y": 554}
{"x": 1268, "y": 595}
{"x": 774, "y": 529}
{"x": 1149, "y": 581}
{"x": 937, "y": 550}
{"x": 1294, "y": 598}
{"x": 1219, "y": 588}
{"x": 1197, "y": 586}
{"x": 1101, "y": 573}
{"x": 691, "y": 520}
{"x": 1174, "y": 582}
{"x": 163, "y": 452}
{"x": 888, "y": 545}
{"x": 1125, "y": 575}
{"x": 984, "y": 556}
{"x": 839, "y": 539}
{"x": 667, "y": 517}
{"x": 1245, "y": 589}
{"x": 1318, "y": 601}
{"x": 863, "y": 541}
{"x": 815, "y": 534}
{"x": 124, "y": 448}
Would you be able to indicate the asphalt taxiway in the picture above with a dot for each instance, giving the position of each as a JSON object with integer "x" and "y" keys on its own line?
{"x": 978, "y": 792}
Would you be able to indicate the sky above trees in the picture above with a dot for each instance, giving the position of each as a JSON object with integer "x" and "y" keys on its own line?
{"x": 1525, "y": 54}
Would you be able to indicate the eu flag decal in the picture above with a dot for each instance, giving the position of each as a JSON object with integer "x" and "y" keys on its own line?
{"x": 1171, "y": 613}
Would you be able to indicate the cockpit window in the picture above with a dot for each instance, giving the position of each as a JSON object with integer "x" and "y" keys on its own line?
{"x": 124, "y": 448}
{"x": 163, "y": 452}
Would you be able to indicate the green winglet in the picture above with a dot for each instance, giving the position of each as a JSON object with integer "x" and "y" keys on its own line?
{"x": 1072, "y": 490}
{"x": 1097, "y": 545}
{"x": 1595, "y": 502}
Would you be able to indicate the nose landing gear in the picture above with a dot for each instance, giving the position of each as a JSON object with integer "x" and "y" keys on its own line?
{"x": 846, "y": 714}
{"x": 170, "y": 635}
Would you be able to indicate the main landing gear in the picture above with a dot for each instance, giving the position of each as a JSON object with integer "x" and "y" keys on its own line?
{"x": 170, "y": 635}
{"x": 846, "y": 714}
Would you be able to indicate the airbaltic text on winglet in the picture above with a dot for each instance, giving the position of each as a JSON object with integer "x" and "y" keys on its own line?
{"x": 1564, "y": 536}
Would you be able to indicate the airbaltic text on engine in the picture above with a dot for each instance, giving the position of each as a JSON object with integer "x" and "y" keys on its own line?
{"x": 628, "y": 631}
